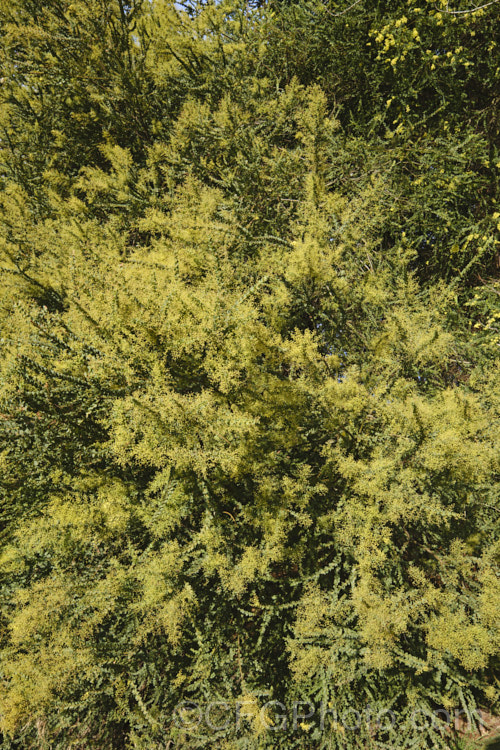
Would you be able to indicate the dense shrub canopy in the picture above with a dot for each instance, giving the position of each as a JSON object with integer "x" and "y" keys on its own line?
{"x": 249, "y": 379}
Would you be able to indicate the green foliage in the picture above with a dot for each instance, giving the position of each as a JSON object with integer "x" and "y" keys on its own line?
{"x": 249, "y": 383}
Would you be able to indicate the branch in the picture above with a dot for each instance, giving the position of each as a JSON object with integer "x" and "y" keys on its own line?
{"x": 471, "y": 10}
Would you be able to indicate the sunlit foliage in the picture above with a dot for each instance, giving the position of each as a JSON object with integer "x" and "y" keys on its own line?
{"x": 249, "y": 379}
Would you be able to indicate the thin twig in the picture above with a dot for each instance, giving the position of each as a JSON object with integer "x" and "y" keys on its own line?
{"x": 348, "y": 9}
{"x": 488, "y": 285}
